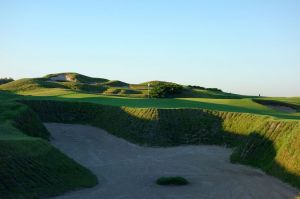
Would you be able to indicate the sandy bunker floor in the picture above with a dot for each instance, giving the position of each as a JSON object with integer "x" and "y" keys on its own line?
{"x": 128, "y": 171}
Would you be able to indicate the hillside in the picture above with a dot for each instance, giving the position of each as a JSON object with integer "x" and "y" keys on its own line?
{"x": 29, "y": 166}
{"x": 74, "y": 77}
{"x": 82, "y": 83}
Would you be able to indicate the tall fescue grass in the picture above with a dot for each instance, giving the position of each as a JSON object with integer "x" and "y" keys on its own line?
{"x": 30, "y": 167}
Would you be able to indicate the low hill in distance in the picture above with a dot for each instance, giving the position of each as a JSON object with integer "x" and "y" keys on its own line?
{"x": 82, "y": 83}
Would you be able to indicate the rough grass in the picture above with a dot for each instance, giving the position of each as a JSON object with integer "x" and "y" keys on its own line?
{"x": 177, "y": 180}
{"x": 30, "y": 167}
{"x": 115, "y": 83}
{"x": 90, "y": 88}
{"x": 121, "y": 91}
{"x": 29, "y": 84}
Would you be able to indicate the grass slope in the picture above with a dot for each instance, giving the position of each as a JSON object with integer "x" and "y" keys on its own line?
{"x": 29, "y": 166}
{"x": 29, "y": 84}
{"x": 82, "y": 83}
{"x": 79, "y": 78}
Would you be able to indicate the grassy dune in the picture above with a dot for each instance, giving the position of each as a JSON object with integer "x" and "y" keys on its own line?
{"x": 29, "y": 166}
{"x": 260, "y": 141}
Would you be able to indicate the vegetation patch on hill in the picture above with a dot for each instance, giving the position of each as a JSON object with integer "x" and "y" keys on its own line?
{"x": 5, "y": 80}
{"x": 29, "y": 84}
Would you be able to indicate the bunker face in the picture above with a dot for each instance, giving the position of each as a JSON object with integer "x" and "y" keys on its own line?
{"x": 128, "y": 171}
{"x": 282, "y": 108}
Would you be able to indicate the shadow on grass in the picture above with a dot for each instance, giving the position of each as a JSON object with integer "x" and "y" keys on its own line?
{"x": 258, "y": 151}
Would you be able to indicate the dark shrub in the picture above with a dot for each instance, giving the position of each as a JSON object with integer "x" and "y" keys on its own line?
{"x": 172, "y": 181}
{"x": 5, "y": 80}
{"x": 214, "y": 89}
{"x": 165, "y": 90}
{"x": 197, "y": 87}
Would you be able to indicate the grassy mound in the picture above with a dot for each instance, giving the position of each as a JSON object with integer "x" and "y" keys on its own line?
{"x": 121, "y": 91}
{"x": 116, "y": 83}
{"x": 260, "y": 141}
{"x": 205, "y": 93}
{"x": 154, "y": 83}
{"x": 30, "y": 167}
{"x": 172, "y": 181}
{"x": 29, "y": 84}
{"x": 75, "y": 77}
{"x": 82, "y": 83}
{"x": 95, "y": 88}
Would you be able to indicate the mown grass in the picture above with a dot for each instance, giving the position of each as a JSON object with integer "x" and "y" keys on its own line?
{"x": 245, "y": 105}
{"x": 30, "y": 167}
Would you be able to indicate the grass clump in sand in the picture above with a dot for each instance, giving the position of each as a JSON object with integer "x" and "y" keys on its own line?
{"x": 177, "y": 180}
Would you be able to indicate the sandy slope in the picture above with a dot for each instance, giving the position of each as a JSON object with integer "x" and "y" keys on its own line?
{"x": 128, "y": 171}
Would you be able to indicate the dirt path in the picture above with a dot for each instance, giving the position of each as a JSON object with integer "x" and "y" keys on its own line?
{"x": 128, "y": 171}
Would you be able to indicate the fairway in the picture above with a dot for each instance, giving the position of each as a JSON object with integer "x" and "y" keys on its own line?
{"x": 246, "y": 105}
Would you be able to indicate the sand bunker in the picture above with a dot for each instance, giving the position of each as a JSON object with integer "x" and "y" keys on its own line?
{"x": 282, "y": 108}
{"x": 61, "y": 78}
{"x": 128, "y": 171}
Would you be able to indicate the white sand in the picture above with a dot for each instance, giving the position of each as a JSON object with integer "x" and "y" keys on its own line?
{"x": 61, "y": 77}
{"x": 128, "y": 171}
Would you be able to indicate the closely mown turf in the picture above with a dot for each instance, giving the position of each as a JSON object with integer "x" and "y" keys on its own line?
{"x": 246, "y": 105}
{"x": 177, "y": 180}
{"x": 30, "y": 167}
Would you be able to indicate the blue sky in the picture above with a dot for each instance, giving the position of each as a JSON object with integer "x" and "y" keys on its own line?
{"x": 247, "y": 47}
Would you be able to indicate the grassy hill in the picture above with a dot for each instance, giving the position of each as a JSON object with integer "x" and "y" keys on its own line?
{"x": 29, "y": 166}
{"x": 82, "y": 83}
{"x": 76, "y": 77}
